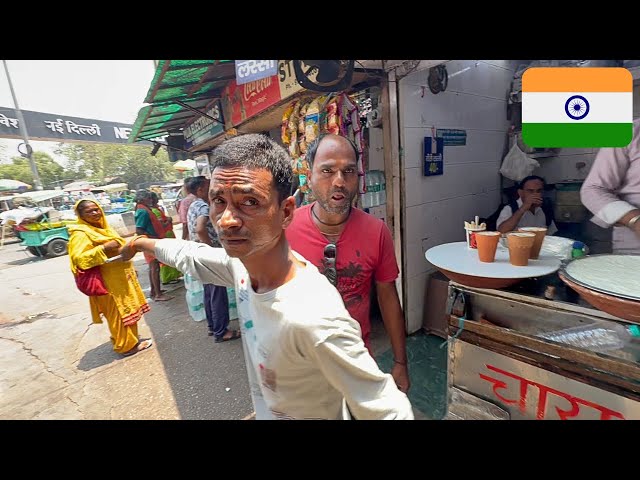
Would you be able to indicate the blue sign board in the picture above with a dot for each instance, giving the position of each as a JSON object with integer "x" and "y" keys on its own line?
{"x": 452, "y": 136}
{"x": 204, "y": 128}
{"x": 250, "y": 70}
{"x": 433, "y": 156}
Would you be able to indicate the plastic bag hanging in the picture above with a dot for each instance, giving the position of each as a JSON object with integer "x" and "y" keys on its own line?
{"x": 517, "y": 164}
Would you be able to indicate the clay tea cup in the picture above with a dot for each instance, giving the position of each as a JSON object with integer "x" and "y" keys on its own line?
{"x": 540, "y": 233}
{"x": 487, "y": 244}
{"x": 520, "y": 245}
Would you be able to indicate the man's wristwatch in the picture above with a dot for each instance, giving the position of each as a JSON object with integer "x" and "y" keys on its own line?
{"x": 632, "y": 223}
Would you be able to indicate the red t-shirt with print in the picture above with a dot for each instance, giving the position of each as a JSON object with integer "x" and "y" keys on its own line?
{"x": 364, "y": 252}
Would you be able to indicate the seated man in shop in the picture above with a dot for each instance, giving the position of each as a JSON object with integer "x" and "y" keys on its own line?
{"x": 530, "y": 210}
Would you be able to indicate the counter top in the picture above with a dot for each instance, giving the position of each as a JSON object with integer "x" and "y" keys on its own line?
{"x": 458, "y": 258}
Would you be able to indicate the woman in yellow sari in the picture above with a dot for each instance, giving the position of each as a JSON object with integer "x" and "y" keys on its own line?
{"x": 91, "y": 242}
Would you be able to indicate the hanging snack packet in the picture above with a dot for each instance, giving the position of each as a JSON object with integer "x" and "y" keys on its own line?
{"x": 332, "y": 117}
{"x": 284, "y": 129}
{"x": 312, "y": 120}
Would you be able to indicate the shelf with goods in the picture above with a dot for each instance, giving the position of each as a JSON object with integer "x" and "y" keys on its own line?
{"x": 280, "y": 107}
{"x": 306, "y": 118}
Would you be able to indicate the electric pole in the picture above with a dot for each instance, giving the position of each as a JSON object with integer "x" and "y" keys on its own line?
{"x": 23, "y": 131}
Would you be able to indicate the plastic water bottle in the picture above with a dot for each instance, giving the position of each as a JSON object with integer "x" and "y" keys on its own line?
{"x": 379, "y": 188}
{"x": 366, "y": 196}
{"x": 597, "y": 337}
{"x": 375, "y": 188}
{"x": 383, "y": 188}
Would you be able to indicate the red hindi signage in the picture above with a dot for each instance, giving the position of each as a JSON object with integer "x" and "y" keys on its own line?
{"x": 245, "y": 101}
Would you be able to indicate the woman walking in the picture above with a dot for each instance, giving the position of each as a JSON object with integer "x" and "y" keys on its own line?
{"x": 91, "y": 243}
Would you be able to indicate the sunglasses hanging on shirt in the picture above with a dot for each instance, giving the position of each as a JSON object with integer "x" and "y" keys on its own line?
{"x": 329, "y": 262}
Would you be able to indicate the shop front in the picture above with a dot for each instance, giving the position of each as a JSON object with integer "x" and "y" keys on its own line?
{"x": 432, "y": 135}
{"x": 280, "y": 107}
{"x": 529, "y": 357}
{"x": 522, "y": 343}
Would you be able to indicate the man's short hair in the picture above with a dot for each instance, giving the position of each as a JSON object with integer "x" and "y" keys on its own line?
{"x": 524, "y": 181}
{"x": 195, "y": 183}
{"x": 313, "y": 148}
{"x": 257, "y": 151}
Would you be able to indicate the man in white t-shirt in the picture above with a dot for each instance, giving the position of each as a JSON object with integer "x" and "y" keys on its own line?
{"x": 304, "y": 353}
{"x": 530, "y": 210}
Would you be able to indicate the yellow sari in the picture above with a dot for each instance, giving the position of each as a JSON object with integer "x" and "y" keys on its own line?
{"x": 125, "y": 303}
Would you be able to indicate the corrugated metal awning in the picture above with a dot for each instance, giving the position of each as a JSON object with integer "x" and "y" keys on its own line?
{"x": 181, "y": 89}
{"x": 178, "y": 88}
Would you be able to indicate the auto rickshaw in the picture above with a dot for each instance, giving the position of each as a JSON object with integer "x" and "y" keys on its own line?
{"x": 44, "y": 238}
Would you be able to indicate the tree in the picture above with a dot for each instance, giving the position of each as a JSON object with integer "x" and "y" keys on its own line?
{"x": 133, "y": 164}
{"x": 20, "y": 169}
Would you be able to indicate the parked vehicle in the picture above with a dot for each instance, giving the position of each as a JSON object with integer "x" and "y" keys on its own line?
{"x": 44, "y": 238}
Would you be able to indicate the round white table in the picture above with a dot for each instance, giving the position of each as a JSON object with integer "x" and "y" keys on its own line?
{"x": 458, "y": 258}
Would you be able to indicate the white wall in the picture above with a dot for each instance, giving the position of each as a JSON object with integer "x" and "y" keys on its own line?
{"x": 436, "y": 207}
{"x": 568, "y": 164}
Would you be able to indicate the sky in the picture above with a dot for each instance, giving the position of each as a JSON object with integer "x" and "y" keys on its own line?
{"x": 110, "y": 90}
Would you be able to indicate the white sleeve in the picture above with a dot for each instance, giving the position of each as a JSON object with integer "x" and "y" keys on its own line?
{"x": 205, "y": 263}
{"x": 505, "y": 215}
{"x": 599, "y": 192}
{"x": 346, "y": 363}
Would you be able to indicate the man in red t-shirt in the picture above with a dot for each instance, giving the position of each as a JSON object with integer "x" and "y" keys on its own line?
{"x": 349, "y": 246}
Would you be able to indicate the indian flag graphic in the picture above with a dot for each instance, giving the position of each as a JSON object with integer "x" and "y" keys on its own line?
{"x": 577, "y": 107}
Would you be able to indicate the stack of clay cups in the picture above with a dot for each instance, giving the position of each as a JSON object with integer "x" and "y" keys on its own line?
{"x": 540, "y": 233}
{"x": 520, "y": 245}
{"x": 487, "y": 245}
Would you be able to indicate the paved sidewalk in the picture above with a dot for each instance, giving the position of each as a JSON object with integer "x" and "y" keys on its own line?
{"x": 56, "y": 364}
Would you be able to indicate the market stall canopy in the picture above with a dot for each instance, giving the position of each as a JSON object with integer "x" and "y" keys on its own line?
{"x": 41, "y": 196}
{"x": 6, "y": 184}
{"x": 112, "y": 187}
{"x": 79, "y": 185}
{"x": 181, "y": 89}
{"x": 178, "y": 87}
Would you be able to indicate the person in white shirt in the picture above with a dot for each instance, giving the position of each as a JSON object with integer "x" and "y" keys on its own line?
{"x": 611, "y": 192}
{"x": 304, "y": 354}
{"x": 531, "y": 209}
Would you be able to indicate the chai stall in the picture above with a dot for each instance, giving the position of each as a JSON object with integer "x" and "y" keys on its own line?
{"x": 508, "y": 355}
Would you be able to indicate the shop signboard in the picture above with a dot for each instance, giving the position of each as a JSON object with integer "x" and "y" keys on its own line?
{"x": 529, "y": 392}
{"x": 244, "y": 101}
{"x": 241, "y": 102}
{"x": 251, "y": 70}
{"x": 287, "y": 78}
{"x": 204, "y": 128}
